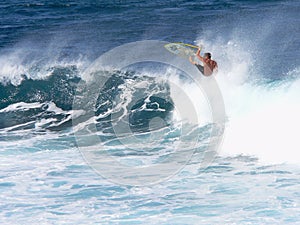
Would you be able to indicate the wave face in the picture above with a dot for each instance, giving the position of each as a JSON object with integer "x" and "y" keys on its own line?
{"x": 51, "y": 99}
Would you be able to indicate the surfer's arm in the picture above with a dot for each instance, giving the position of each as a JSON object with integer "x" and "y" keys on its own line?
{"x": 198, "y": 55}
{"x": 191, "y": 60}
{"x": 215, "y": 70}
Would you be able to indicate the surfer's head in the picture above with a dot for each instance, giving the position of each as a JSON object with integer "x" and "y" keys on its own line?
{"x": 207, "y": 55}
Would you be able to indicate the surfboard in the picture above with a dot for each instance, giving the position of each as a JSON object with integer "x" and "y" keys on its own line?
{"x": 182, "y": 49}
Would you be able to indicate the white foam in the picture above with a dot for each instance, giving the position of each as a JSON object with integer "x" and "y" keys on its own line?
{"x": 15, "y": 65}
{"x": 40, "y": 123}
{"x": 269, "y": 126}
{"x": 21, "y": 106}
{"x": 262, "y": 120}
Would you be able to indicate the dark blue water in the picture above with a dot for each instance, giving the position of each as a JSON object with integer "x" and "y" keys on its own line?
{"x": 45, "y": 47}
{"x": 69, "y": 28}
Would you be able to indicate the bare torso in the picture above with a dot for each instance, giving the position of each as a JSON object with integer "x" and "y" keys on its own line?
{"x": 209, "y": 66}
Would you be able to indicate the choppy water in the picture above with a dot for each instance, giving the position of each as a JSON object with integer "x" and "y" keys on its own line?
{"x": 45, "y": 49}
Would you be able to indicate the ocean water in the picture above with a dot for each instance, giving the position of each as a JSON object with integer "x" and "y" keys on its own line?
{"x": 85, "y": 142}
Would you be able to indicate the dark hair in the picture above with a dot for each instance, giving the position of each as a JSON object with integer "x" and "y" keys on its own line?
{"x": 208, "y": 55}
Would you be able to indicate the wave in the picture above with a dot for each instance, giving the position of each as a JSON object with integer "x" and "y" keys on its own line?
{"x": 263, "y": 119}
{"x": 47, "y": 103}
{"x": 262, "y": 107}
{"x": 262, "y": 114}
{"x": 58, "y": 87}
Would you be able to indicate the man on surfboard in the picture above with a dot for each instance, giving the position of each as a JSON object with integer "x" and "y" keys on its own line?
{"x": 209, "y": 65}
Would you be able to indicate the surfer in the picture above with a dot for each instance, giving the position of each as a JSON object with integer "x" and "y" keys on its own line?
{"x": 209, "y": 65}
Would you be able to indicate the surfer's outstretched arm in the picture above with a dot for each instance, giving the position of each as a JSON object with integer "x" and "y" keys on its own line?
{"x": 191, "y": 60}
{"x": 198, "y": 55}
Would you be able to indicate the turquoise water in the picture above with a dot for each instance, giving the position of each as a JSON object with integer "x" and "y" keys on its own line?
{"x": 46, "y": 176}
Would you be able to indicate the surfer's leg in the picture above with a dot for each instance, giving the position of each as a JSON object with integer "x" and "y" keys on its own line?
{"x": 200, "y": 68}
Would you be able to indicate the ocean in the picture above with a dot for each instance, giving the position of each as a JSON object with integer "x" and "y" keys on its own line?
{"x": 100, "y": 124}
